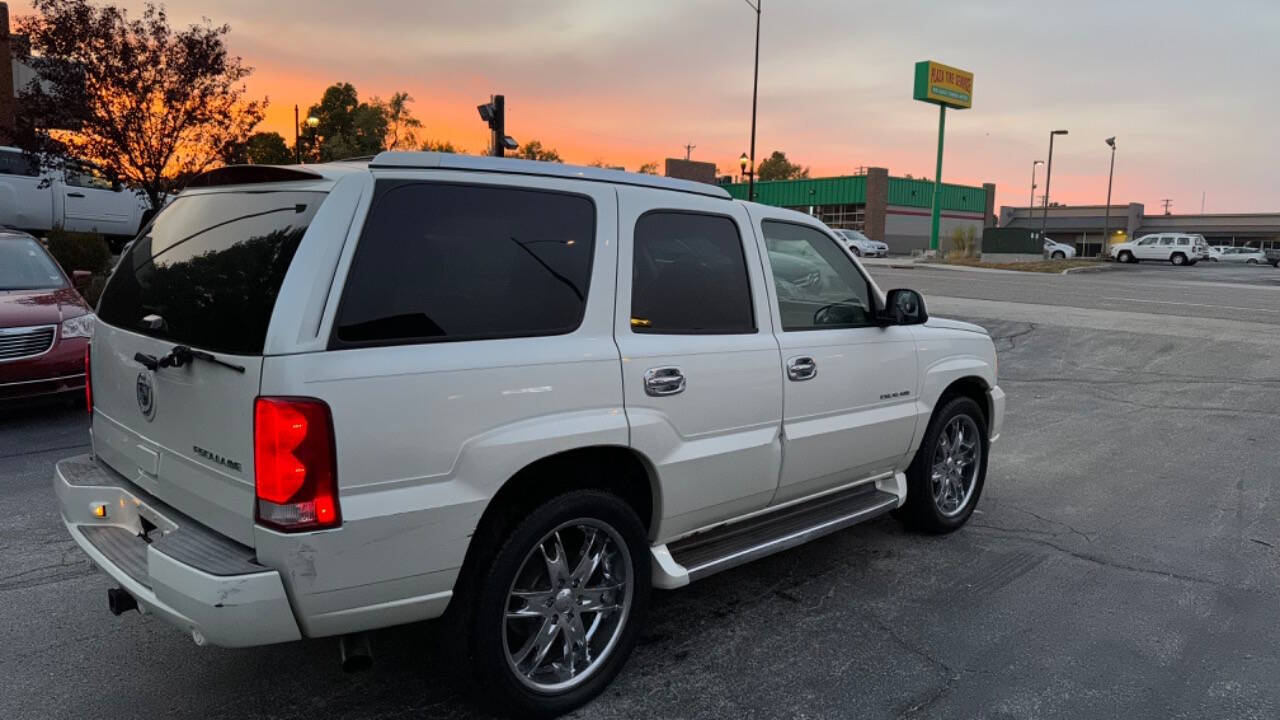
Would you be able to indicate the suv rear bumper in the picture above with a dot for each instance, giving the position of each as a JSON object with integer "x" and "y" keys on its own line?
{"x": 193, "y": 577}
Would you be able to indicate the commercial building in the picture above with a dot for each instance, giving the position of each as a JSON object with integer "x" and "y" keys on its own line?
{"x": 1082, "y": 225}
{"x": 893, "y": 210}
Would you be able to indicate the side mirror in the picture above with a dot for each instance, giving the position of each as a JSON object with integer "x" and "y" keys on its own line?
{"x": 904, "y": 307}
{"x": 81, "y": 279}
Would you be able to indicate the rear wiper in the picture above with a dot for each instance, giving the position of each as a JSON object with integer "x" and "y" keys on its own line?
{"x": 181, "y": 355}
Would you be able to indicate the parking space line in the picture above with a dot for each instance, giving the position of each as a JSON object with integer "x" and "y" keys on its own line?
{"x": 1189, "y": 304}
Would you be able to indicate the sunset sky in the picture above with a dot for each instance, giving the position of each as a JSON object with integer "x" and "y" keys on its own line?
{"x": 1187, "y": 87}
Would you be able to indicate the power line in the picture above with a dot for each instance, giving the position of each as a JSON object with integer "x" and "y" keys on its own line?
{"x": 688, "y": 150}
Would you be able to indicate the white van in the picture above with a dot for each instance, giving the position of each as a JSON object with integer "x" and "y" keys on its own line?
{"x": 1175, "y": 248}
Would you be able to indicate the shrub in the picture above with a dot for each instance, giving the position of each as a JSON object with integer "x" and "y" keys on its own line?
{"x": 78, "y": 251}
{"x": 964, "y": 243}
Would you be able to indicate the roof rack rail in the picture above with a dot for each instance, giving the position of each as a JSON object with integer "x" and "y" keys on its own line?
{"x": 514, "y": 166}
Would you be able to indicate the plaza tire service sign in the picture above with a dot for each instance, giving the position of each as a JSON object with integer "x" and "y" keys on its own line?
{"x": 943, "y": 85}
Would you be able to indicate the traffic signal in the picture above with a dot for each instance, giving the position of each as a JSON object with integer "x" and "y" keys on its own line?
{"x": 494, "y": 113}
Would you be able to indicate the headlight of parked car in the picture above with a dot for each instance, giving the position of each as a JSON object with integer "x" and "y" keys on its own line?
{"x": 78, "y": 327}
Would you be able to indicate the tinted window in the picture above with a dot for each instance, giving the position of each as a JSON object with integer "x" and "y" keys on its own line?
{"x": 13, "y": 162}
{"x": 24, "y": 265}
{"x": 817, "y": 284}
{"x": 210, "y": 266}
{"x": 1184, "y": 241}
{"x": 87, "y": 176}
{"x": 440, "y": 262}
{"x": 689, "y": 276}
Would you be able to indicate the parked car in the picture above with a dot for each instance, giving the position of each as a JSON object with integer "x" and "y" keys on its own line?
{"x": 77, "y": 197}
{"x": 1273, "y": 257}
{"x": 356, "y": 395}
{"x": 1215, "y": 252}
{"x": 1172, "y": 248}
{"x": 863, "y": 246}
{"x": 45, "y": 325}
{"x": 1248, "y": 255}
{"x": 1058, "y": 251}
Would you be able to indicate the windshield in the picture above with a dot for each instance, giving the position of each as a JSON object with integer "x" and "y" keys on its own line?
{"x": 24, "y": 265}
{"x": 208, "y": 270}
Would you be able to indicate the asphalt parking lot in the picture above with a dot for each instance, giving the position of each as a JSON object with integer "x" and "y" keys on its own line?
{"x": 1123, "y": 561}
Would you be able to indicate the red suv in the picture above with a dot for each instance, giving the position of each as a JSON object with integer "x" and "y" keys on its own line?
{"x": 45, "y": 325}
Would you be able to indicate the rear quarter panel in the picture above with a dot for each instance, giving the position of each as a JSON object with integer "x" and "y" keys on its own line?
{"x": 427, "y": 434}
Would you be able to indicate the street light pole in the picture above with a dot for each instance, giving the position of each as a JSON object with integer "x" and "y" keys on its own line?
{"x": 1048, "y": 175}
{"x": 1106, "y": 216}
{"x": 755, "y": 86}
{"x": 1031, "y": 206}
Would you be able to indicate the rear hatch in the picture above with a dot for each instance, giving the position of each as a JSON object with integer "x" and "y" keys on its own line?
{"x": 177, "y": 353}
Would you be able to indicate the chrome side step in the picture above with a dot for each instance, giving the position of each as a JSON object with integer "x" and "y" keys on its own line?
{"x": 728, "y": 546}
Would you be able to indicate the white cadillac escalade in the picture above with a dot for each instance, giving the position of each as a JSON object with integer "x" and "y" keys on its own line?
{"x": 327, "y": 399}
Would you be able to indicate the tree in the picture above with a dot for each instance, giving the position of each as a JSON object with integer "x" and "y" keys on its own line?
{"x": 402, "y": 126}
{"x": 346, "y": 128}
{"x": 649, "y": 168}
{"x": 443, "y": 146}
{"x": 777, "y": 167}
{"x": 260, "y": 148}
{"x": 533, "y": 150}
{"x": 150, "y": 105}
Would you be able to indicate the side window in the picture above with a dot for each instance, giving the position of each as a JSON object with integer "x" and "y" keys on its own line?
{"x": 1184, "y": 241}
{"x": 689, "y": 276}
{"x": 818, "y": 285}
{"x": 1147, "y": 241}
{"x": 1166, "y": 240}
{"x": 13, "y": 162}
{"x": 439, "y": 262}
{"x": 86, "y": 176}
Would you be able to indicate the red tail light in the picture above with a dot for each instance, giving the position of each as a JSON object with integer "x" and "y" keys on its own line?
{"x": 88, "y": 380}
{"x": 294, "y": 469}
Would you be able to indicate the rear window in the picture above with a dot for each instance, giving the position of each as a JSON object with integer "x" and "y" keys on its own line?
{"x": 447, "y": 262}
{"x": 209, "y": 268}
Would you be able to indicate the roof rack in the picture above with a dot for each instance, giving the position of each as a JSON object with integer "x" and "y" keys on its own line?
{"x": 250, "y": 174}
{"x": 452, "y": 161}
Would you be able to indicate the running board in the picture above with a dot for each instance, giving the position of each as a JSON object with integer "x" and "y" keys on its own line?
{"x": 728, "y": 546}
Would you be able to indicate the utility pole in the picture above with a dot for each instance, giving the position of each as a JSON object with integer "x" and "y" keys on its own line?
{"x": 1202, "y": 202}
{"x": 1032, "y": 207}
{"x": 1166, "y": 202}
{"x": 755, "y": 86}
{"x": 297, "y": 149}
{"x": 688, "y": 150}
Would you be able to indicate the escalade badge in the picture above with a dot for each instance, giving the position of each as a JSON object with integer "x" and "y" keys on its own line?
{"x": 146, "y": 395}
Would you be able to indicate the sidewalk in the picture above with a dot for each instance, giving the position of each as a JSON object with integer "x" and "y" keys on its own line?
{"x": 914, "y": 263}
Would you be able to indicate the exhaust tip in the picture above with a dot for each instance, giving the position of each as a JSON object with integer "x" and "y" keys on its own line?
{"x": 120, "y": 601}
{"x": 354, "y": 653}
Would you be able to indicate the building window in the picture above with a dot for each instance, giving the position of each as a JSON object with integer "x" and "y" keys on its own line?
{"x": 837, "y": 217}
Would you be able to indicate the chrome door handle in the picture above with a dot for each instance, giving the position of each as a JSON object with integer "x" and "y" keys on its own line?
{"x": 802, "y": 368}
{"x": 663, "y": 381}
{"x": 75, "y": 194}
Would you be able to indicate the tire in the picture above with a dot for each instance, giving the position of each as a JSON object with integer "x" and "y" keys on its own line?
{"x": 1126, "y": 257}
{"x": 1058, "y": 255}
{"x": 924, "y": 510}
{"x": 494, "y": 641}
{"x": 856, "y": 251}
{"x": 1178, "y": 259}
{"x": 1251, "y": 261}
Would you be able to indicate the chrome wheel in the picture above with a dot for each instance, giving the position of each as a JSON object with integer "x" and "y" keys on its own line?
{"x": 567, "y": 605}
{"x": 956, "y": 461}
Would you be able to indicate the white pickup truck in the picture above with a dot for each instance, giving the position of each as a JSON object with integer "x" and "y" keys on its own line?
{"x": 522, "y": 394}
{"x": 78, "y": 197}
